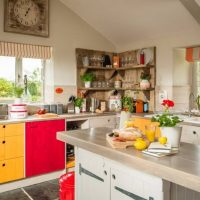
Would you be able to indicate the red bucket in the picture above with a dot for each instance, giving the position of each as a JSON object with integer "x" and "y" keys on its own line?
{"x": 66, "y": 183}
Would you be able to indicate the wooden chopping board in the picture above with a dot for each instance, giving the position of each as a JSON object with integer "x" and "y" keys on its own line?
{"x": 46, "y": 115}
{"x": 117, "y": 144}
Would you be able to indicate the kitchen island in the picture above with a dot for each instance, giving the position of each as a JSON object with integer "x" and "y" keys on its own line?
{"x": 182, "y": 169}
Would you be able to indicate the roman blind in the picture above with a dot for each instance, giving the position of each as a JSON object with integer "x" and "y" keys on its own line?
{"x": 21, "y": 50}
{"x": 193, "y": 54}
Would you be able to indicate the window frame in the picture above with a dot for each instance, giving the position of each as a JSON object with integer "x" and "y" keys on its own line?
{"x": 19, "y": 79}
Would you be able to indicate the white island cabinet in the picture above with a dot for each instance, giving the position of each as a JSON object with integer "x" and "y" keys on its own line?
{"x": 102, "y": 179}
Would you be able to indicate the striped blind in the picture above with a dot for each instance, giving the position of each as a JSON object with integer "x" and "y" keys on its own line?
{"x": 20, "y": 50}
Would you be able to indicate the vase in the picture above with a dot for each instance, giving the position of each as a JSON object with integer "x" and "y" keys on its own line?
{"x": 87, "y": 84}
{"x": 124, "y": 116}
{"x": 173, "y": 135}
{"x": 77, "y": 110}
{"x": 144, "y": 84}
{"x": 18, "y": 101}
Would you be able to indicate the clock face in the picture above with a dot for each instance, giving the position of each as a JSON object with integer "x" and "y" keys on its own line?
{"x": 27, "y": 17}
{"x": 27, "y": 12}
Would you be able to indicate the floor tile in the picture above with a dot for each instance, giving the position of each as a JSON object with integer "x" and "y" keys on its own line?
{"x": 14, "y": 195}
{"x": 43, "y": 191}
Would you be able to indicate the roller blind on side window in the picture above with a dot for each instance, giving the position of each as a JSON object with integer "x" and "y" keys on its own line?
{"x": 21, "y": 50}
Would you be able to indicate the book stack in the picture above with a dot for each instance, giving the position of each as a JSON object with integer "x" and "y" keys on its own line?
{"x": 159, "y": 150}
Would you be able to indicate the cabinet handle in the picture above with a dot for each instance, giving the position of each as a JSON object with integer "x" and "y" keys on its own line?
{"x": 105, "y": 172}
{"x": 85, "y": 171}
{"x": 130, "y": 194}
{"x": 194, "y": 132}
{"x": 3, "y": 142}
{"x": 113, "y": 176}
{"x": 108, "y": 120}
{"x": 4, "y": 126}
{"x": 3, "y": 165}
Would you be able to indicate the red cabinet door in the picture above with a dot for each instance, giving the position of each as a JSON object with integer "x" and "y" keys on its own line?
{"x": 44, "y": 153}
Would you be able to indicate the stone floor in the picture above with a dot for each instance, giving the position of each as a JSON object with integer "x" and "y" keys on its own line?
{"x": 43, "y": 191}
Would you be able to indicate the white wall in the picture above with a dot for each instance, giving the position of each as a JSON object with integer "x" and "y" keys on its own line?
{"x": 67, "y": 32}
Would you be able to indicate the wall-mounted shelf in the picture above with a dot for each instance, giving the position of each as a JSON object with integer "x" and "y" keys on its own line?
{"x": 129, "y": 71}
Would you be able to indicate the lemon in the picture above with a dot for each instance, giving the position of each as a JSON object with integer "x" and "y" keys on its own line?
{"x": 162, "y": 140}
{"x": 140, "y": 144}
{"x": 129, "y": 124}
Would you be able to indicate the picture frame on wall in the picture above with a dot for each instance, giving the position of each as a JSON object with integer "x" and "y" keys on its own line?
{"x": 29, "y": 17}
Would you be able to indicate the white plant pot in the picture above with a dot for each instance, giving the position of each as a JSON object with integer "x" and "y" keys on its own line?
{"x": 87, "y": 84}
{"x": 173, "y": 135}
{"x": 77, "y": 110}
{"x": 18, "y": 101}
{"x": 144, "y": 84}
{"x": 124, "y": 116}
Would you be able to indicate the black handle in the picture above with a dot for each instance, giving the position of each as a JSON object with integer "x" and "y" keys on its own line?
{"x": 113, "y": 176}
{"x": 105, "y": 172}
{"x": 108, "y": 120}
{"x": 3, "y": 142}
{"x": 3, "y": 165}
{"x": 4, "y": 126}
{"x": 194, "y": 132}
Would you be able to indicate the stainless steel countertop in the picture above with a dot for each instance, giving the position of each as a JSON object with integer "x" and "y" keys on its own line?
{"x": 182, "y": 168}
{"x": 63, "y": 116}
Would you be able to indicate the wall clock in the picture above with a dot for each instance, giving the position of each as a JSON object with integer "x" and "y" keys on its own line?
{"x": 27, "y": 17}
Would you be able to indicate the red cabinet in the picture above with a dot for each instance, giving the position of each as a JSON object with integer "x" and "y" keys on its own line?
{"x": 44, "y": 153}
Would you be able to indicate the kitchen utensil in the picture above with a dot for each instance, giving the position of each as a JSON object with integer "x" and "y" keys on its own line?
{"x": 94, "y": 104}
{"x": 148, "y": 56}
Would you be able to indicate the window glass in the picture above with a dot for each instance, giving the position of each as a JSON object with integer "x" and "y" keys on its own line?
{"x": 7, "y": 76}
{"x": 32, "y": 71}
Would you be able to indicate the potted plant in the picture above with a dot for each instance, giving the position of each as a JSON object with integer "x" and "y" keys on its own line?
{"x": 18, "y": 91}
{"x": 87, "y": 78}
{"x": 127, "y": 109}
{"x": 78, "y": 102}
{"x": 144, "y": 83}
{"x": 168, "y": 124}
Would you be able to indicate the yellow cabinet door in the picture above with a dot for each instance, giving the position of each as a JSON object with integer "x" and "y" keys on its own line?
{"x": 12, "y": 169}
{"x": 2, "y": 129}
{"x": 14, "y": 147}
{"x": 2, "y": 149}
{"x": 14, "y": 129}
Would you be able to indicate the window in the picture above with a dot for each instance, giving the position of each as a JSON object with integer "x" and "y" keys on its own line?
{"x": 24, "y": 71}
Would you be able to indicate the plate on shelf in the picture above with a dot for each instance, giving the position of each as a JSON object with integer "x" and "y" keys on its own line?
{"x": 148, "y": 55}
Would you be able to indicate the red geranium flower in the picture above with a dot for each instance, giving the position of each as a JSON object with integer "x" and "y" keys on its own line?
{"x": 168, "y": 103}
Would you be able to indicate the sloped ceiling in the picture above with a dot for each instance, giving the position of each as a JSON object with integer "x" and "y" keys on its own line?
{"x": 122, "y": 21}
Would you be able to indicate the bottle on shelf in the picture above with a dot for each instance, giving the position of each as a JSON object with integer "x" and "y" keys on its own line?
{"x": 142, "y": 58}
{"x": 145, "y": 105}
{"x": 115, "y": 61}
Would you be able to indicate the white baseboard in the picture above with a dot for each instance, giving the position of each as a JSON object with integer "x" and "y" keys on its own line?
{"x": 30, "y": 181}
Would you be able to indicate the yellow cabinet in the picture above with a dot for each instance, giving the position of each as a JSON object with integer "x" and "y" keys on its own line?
{"x": 2, "y": 130}
{"x": 12, "y": 169}
{"x": 11, "y": 152}
{"x": 14, "y": 129}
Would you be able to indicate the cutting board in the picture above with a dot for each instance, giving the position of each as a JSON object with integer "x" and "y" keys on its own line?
{"x": 117, "y": 144}
{"x": 47, "y": 115}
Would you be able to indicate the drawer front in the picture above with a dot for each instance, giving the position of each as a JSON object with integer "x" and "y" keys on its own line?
{"x": 190, "y": 134}
{"x": 2, "y": 149}
{"x": 106, "y": 121}
{"x": 2, "y": 130}
{"x": 14, "y": 129}
{"x": 14, "y": 147}
{"x": 11, "y": 170}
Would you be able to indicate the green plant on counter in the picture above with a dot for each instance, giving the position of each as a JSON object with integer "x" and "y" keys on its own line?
{"x": 18, "y": 91}
{"x": 88, "y": 77}
{"x": 78, "y": 102}
{"x": 198, "y": 102}
{"x": 145, "y": 76}
{"x": 127, "y": 104}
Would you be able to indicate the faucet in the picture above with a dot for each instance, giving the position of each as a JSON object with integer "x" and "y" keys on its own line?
{"x": 191, "y": 101}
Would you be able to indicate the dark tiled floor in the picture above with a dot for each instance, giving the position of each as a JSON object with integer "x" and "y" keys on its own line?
{"x": 43, "y": 191}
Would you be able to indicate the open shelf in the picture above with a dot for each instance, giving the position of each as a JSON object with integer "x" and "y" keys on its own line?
{"x": 98, "y": 68}
{"x": 107, "y": 89}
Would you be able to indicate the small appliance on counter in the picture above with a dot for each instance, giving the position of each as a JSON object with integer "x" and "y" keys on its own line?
{"x": 70, "y": 104}
{"x": 18, "y": 111}
{"x": 115, "y": 103}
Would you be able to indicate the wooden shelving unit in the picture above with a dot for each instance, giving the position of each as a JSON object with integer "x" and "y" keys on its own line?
{"x": 128, "y": 73}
